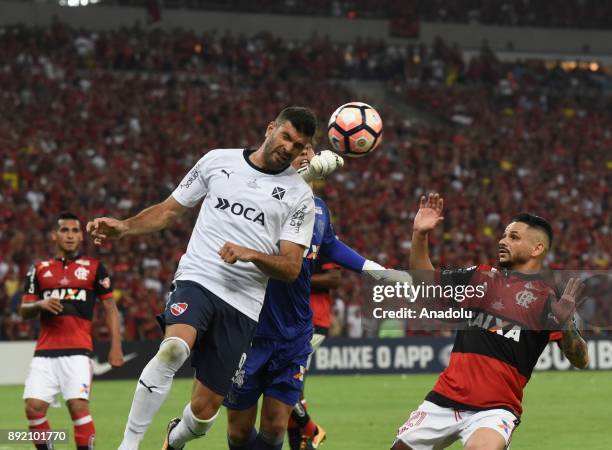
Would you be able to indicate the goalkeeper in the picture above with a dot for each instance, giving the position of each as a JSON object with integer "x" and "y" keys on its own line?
{"x": 276, "y": 364}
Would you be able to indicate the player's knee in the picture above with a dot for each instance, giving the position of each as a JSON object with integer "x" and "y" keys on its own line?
{"x": 35, "y": 407}
{"x": 78, "y": 407}
{"x": 483, "y": 446}
{"x": 485, "y": 439}
{"x": 238, "y": 433}
{"x": 274, "y": 426}
{"x": 205, "y": 407}
{"x": 399, "y": 445}
{"x": 173, "y": 351}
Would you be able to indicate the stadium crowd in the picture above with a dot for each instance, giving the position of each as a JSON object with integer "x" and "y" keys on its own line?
{"x": 539, "y": 13}
{"x": 106, "y": 123}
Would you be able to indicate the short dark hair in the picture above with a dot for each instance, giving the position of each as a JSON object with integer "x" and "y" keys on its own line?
{"x": 536, "y": 222}
{"x": 65, "y": 215}
{"x": 303, "y": 119}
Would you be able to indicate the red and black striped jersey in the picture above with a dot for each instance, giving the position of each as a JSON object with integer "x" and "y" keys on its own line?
{"x": 493, "y": 357}
{"x": 77, "y": 283}
{"x": 320, "y": 299}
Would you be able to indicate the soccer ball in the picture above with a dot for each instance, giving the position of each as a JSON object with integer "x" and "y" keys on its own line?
{"x": 355, "y": 129}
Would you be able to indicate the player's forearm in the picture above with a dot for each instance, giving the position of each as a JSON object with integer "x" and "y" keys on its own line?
{"x": 151, "y": 219}
{"x": 328, "y": 280}
{"x": 112, "y": 322}
{"x": 574, "y": 347}
{"x": 279, "y": 267}
{"x": 419, "y": 252}
{"x": 29, "y": 310}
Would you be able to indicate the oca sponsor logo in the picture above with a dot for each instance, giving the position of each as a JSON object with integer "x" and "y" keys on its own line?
{"x": 238, "y": 209}
{"x": 178, "y": 308}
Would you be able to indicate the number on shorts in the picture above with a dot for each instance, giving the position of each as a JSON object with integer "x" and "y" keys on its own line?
{"x": 416, "y": 418}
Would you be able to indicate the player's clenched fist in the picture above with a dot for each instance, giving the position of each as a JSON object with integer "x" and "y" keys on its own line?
{"x": 106, "y": 228}
{"x": 115, "y": 357}
{"x": 230, "y": 253}
{"x": 52, "y": 305}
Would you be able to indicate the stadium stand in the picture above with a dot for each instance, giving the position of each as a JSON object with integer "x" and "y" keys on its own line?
{"x": 589, "y": 14}
{"x": 106, "y": 123}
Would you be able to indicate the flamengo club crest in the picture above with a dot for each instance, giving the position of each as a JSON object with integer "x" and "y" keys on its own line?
{"x": 178, "y": 308}
{"x": 525, "y": 298}
{"x": 81, "y": 273}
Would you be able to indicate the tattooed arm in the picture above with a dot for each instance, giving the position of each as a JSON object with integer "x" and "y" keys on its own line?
{"x": 574, "y": 347}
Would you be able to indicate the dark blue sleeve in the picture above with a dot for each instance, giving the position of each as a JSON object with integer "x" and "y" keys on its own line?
{"x": 343, "y": 255}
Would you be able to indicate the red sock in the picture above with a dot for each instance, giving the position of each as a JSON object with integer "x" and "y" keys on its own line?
{"x": 310, "y": 429}
{"x": 38, "y": 422}
{"x": 84, "y": 430}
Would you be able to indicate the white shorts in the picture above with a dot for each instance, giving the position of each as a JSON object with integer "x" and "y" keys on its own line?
{"x": 49, "y": 376}
{"x": 315, "y": 343}
{"x": 433, "y": 427}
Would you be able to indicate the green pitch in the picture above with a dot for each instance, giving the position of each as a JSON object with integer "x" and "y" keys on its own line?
{"x": 562, "y": 411}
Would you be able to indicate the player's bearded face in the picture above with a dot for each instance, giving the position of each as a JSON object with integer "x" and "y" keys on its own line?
{"x": 514, "y": 248}
{"x": 68, "y": 236}
{"x": 282, "y": 145}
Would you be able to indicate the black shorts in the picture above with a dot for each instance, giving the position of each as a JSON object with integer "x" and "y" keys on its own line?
{"x": 224, "y": 333}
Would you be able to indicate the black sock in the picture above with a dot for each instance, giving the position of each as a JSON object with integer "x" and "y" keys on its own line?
{"x": 300, "y": 415}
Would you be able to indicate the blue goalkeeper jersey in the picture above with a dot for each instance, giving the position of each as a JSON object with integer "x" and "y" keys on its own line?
{"x": 286, "y": 312}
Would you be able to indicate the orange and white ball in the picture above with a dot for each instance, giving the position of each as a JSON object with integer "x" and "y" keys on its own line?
{"x": 355, "y": 129}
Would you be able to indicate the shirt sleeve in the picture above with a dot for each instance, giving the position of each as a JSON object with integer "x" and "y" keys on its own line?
{"x": 103, "y": 287}
{"x": 342, "y": 254}
{"x": 299, "y": 223}
{"x": 194, "y": 186}
{"x": 31, "y": 289}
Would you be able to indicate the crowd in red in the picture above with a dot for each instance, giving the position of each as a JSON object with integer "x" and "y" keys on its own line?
{"x": 106, "y": 124}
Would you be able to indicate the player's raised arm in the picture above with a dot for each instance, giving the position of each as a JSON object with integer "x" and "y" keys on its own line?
{"x": 427, "y": 218}
{"x": 154, "y": 218}
{"x": 285, "y": 266}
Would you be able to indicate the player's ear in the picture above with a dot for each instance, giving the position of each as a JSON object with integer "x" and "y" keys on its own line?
{"x": 539, "y": 250}
{"x": 270, "y": 129}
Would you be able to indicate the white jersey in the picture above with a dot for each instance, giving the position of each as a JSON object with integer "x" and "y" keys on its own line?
{"x": 245, "y": 205}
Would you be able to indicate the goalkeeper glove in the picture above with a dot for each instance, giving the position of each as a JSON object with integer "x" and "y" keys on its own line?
{"x": 321, "y": 165}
